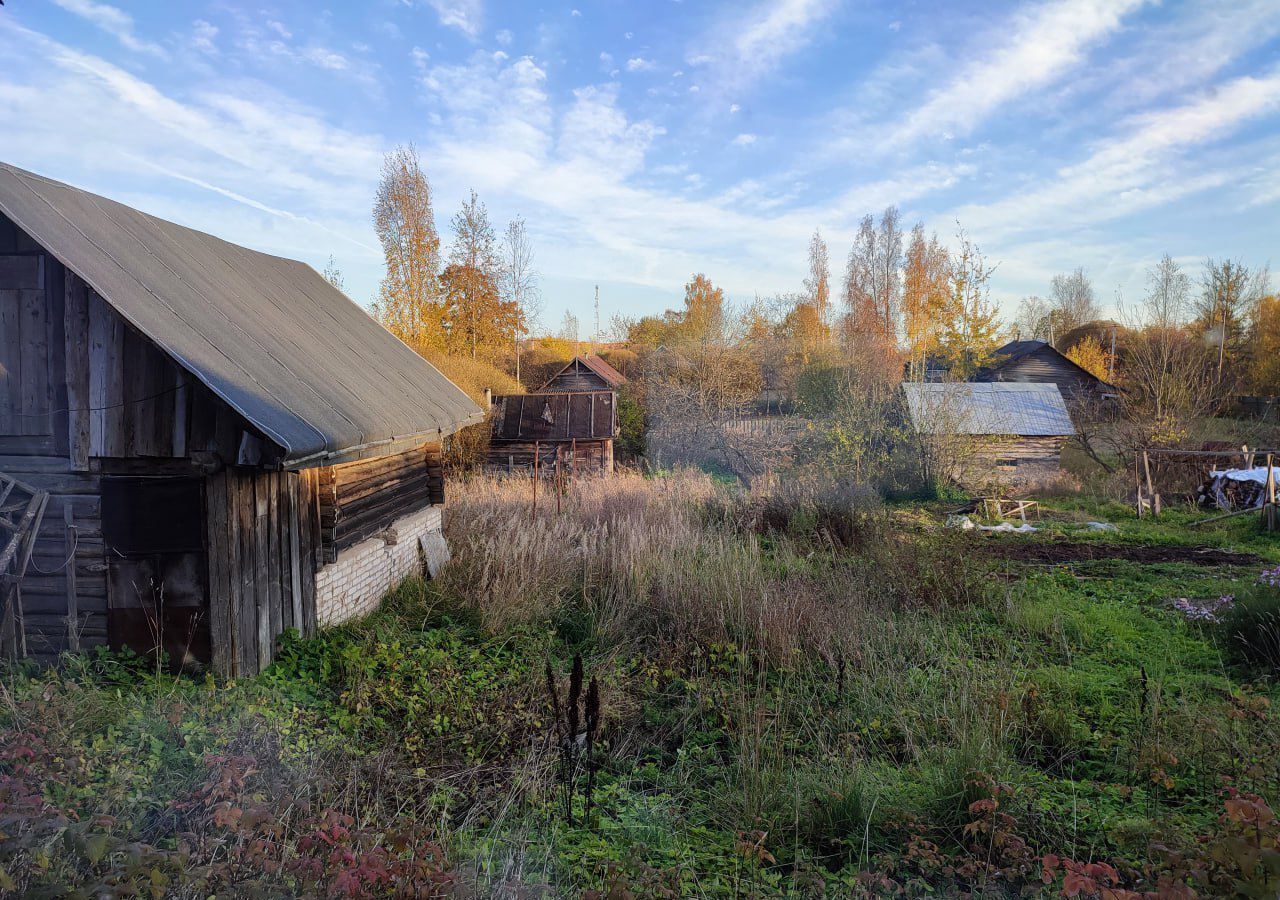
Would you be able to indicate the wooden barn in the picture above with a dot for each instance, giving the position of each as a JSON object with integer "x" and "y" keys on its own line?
{"x": 584, "y": 373}
{"x": 229, "y": 446}
{"x": 576, "y": 428}
{"x": 992, "y": 433}
{"x": 1037, "y": 362}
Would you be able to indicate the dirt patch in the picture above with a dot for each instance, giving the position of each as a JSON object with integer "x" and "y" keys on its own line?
{"x": 1068, "y": 551}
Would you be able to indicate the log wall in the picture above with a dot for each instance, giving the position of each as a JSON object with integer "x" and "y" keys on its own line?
{"x": 359, "y": 499}
{"x": 583, "y": 457}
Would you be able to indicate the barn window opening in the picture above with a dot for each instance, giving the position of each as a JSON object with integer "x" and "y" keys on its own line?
{"x": 1006, "y": 463}
{"x": 153, "y": 532}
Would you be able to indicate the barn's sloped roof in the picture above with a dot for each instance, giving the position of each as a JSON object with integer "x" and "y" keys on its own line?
{"x": 988, "y": 408}
{"x": 283, "y": 347}
{"x": 604, "y": 370}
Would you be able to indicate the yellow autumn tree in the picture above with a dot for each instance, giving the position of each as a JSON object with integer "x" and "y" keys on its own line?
{"x": 1264, "y": 369}
{"x": 703, "y": 308}
{"x": 969, "y": 322}
{"x": 925, "y": 291}
{"x": 1089, "y": 355}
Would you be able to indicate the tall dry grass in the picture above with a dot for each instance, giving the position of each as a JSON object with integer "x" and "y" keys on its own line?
{"x": 665, "y": 564}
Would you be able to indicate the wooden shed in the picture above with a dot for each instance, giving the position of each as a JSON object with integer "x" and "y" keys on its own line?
{"x": 576, "y": 427}
{"x": 1037, "y": 362}
{"x": 230, "y": 446}
{"x": 992, "y": 432}
{"x": 584, "y": 373}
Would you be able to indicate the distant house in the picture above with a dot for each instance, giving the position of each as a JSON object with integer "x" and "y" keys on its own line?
{"x": 584, "y": 373}
{"x": 573, "y": 418}
{"x": 574, "y": 428}
{"x": 992, "y": 432}
{"x": 231, "y": 447}
{"x": 1037, "y": 362}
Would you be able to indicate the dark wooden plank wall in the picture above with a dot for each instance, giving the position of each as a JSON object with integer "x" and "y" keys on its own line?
{"x": 359, "y": 499}
{"x": 262, "y": 563}
{"x": 576, "y": 457}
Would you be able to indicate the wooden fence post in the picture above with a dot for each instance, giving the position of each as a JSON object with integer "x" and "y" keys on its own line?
{"x": 1152, "y": 497}
{"x": 535, "y": 477}
{"x": 1270, "y": 513}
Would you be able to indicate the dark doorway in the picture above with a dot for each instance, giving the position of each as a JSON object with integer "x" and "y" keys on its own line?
{"x": 157, "y": 597}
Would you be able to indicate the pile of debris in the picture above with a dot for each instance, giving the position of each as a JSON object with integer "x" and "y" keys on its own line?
{"x": 1235, "y": 488}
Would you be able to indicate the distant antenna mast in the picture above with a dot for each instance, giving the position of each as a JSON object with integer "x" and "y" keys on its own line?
{"x": 595, "y": 335}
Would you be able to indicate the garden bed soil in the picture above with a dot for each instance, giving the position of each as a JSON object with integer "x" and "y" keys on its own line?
{"x": 1077, "y": 551}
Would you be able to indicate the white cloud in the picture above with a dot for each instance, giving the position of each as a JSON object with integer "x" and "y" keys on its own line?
{"x": 1142, "y": 169}
{"x": 255, "y": 163}
{"x": 1045, "y": 42}
{"x": 203, "y": 35}
{"x": 744, "y": 140}
{"x": 115, "y": 22}
{"x": 746, "y": 47}
{"x": 465, "y": 15}
{"x": 733, "y": 108}
{"x": 504, "y": 37}
{"x": 640, "y": 64}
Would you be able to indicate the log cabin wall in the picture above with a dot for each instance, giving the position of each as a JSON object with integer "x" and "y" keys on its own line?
{"x": 582, "y": 457}
{"x": 1013, "y": 461}
{"x": 374, "y": 516}
{"x": 1047, "y": 366}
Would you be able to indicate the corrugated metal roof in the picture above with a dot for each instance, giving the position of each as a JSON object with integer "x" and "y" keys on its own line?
{"x": 283, "y": 347}
{"x": 1031, "y": 410}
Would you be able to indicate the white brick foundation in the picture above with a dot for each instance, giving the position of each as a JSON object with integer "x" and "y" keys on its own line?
{"x": 356, "y": 581}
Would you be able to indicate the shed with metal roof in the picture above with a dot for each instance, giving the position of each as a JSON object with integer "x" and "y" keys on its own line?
{"x": 231, "y": 447}
{"x": 980, "y": 433}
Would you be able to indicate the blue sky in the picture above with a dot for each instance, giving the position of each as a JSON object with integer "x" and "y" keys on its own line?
{"x": 644, "y": 141}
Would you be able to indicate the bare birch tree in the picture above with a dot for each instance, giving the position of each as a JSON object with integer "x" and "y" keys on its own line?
{"x": 1073, "y": 303}
{"x": 520, "y": 282}
{"x": 818, "y": 285}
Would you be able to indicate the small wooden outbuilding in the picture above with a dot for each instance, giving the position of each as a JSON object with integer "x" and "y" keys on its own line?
{"x": 992, "y": 432}
{"x": 1037, "y": 362}
{"x": 571, "y": 420}
{"x": 575, "y": 428}
{"x": 230, "y": 446}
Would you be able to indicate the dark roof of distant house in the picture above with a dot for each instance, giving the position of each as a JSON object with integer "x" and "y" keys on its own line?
{"x": 554, "y": 416}
{"x": 988, "y": 408}
{"x": 612, "y": 376}
{"x": 1019, "y": 349}
{"x": 284, "y": 348}
{"x": 1014, "y": 351}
